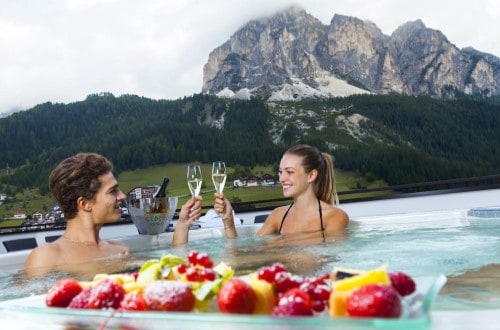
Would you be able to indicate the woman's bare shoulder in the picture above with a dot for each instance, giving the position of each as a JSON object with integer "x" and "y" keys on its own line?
{"x": 271, "y": 226}
{"x": 279, "y": 211}
{"x": 336, "y": 215}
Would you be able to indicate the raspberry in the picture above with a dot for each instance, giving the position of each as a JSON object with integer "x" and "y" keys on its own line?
{"x": 319, "y": 291}
{"x": 133, "y": 302}
{"x": 192, "y": 256}
{"x": 284, "y": 281}
{"x": 106, "y": 294}
{"x": 295, "y": 294}
{"x": 403, "y": 283}
{"x": 266, "y": 274}
{"x": 81, "y": 300}
{"x": 374, "y": 300}
{"x": 294, "y": 302}
{"x": 278, "y": 267}
{"x": 236, "y": 297}
{"x": 166, "y": 295}
{"x": 202, "y": 259}
{"x": 182, "y": 268}
{"x": 207, "y": 274}
{"x": 192, "y": 274}
{"x": 62, "y": 292}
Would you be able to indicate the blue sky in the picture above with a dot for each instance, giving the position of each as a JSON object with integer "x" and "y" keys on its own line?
{"x": 63, "y": 50}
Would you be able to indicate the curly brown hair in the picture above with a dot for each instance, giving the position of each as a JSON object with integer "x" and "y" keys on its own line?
{"x": 77, "y": 176}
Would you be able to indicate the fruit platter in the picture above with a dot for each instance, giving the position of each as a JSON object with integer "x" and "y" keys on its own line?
{"x": 194, "y": 289}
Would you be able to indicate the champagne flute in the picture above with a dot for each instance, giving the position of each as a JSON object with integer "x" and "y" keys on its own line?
{"x": 194, "y": 179}
{"x": 219, "y": 175}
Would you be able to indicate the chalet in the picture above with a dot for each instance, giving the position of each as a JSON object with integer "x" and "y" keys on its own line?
{"x": 19, "y": 214}
{"x": 142, "y": 192}
{"x": 268, "y": 180}
{"x": 252, "y": 181}
{"x": 38, "y": 216}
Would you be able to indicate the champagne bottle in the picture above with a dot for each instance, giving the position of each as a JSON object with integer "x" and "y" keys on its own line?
{"x": 162, "y": 191}
{"x": 160, "y": 196}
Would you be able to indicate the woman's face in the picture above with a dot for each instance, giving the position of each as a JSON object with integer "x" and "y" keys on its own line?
{"x": 293, "y": 178}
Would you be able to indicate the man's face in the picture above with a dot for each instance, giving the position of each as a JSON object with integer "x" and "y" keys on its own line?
{"x": 106, "y": 204}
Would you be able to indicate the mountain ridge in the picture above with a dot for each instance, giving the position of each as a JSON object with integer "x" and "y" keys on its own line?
{"x": 293, "y": 55}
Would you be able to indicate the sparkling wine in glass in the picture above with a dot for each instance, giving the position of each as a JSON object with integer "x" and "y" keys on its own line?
{"x": 194, "y": 179}
{"x": 219, "y": 176}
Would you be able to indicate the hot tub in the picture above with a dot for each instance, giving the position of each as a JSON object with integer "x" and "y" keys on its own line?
{"x": 459, "y": 244}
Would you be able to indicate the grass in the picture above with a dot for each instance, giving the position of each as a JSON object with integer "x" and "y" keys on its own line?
{"x": 178, "y": 187}
{"x": 32, "y": 201}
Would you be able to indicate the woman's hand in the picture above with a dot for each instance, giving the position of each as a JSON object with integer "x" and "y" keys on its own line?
{"x": 224, "y": 208}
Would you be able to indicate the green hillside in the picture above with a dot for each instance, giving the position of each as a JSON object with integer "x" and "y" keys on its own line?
{"x": 31, "y": 201}
{"x": 393, "y": 138}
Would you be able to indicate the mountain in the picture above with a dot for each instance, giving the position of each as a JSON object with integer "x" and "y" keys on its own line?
{"x": 292, "y": 56}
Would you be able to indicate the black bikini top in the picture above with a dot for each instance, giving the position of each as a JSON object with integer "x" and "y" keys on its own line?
{"x": 320, "y": 218}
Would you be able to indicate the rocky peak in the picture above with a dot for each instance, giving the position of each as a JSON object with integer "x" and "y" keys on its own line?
{"x": 292, "y": 55}
{"x": 265, "y": 52}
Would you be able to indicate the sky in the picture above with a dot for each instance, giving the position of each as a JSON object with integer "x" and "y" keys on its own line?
{"x": 60, "y": 51}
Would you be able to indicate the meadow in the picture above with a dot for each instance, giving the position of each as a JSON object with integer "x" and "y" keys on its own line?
{"x": 31, "y": 201}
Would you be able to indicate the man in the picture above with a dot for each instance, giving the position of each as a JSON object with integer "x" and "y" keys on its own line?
{"x": 89, "y": 196}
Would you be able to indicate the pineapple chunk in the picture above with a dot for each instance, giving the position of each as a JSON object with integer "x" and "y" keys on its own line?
{"x": 375, "y": 276}
{"x": 338, "y": 302}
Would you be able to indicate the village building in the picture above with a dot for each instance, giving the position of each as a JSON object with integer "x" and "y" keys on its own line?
{"x": 37, "y": 216}
{"x": 19, "y": 214}
{"x": 253, "y": 181}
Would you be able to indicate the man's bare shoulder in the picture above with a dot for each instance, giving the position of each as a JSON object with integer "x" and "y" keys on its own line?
{"x": 119, "y": 245}
{"x": 43, "y": 257}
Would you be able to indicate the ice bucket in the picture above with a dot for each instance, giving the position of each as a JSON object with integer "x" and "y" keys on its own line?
{"x": 150, "y": 217}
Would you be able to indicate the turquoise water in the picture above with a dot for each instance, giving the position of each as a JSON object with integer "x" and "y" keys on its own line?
{"x": 464, "y": 248}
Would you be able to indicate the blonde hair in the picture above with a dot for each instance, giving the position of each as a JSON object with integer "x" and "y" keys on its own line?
{"x": 312, "y": 159}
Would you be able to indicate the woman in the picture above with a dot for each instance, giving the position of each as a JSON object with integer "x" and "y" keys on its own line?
{"x": 89, "y": 196}
{"x": 307, "y": 176}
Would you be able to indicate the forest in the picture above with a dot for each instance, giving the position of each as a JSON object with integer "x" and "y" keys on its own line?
{"x": 416, "y": 138}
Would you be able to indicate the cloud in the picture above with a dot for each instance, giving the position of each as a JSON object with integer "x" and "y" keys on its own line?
{"x": 61, "y": 51}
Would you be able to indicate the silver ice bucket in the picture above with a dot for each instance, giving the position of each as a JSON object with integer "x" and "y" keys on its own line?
{"x": 150, "y": 216}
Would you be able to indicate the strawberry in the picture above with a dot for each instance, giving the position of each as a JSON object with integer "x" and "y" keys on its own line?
{"x": 81, "y": 300}
{"x": 133, "y": 301}
{"x": 294, "y": 302}
{"x": 164, "y": 295}
{"x": 236, "y": 297}
{"x": 62, "y": 292}
{"x": 403, "y": 283}
{"x": 106, "y": 294}
{"x": 374, "y": 300}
